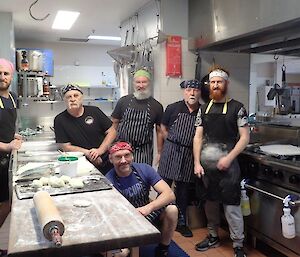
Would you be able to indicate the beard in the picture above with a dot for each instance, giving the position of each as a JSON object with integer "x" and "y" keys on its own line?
{"x": 144, "y": 94}
{"x": 4, "y": 86}
{"x": 218, "y": 93}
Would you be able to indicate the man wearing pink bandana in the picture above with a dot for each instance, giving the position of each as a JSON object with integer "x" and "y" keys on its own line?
{"x": 221, "y": 135}
{"x": 9, "y": 141}
{"x": 133, "y": 181}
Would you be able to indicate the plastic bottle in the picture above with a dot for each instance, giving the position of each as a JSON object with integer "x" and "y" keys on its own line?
{"x": 245, "y": 204}
{"x": 24, "y": 62}
{"x": 287, "y": 220}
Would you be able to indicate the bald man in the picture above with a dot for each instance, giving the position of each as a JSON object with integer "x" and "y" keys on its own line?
{"x": 8, "y": 139}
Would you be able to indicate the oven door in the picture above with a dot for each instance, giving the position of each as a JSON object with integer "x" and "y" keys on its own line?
{"x": 265, "y": 219}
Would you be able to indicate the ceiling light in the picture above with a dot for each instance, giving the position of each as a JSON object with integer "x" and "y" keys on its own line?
{"x": 64, "y": 20}
{"x": 104, "y": 38}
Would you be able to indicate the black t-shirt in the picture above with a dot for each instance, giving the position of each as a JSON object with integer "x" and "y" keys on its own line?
{"x": 172, "y": 111}
{"x": 87, "y": 131}
{"x": 156, "y": 109}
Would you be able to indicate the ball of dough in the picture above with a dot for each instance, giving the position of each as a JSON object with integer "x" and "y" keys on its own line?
{"x": 36, "y": 183}
{"x": 76, "y": 183}
{"x": 44, "y": 180}
{"x": 56, "y": 182}
{"x": 66, "y": 179}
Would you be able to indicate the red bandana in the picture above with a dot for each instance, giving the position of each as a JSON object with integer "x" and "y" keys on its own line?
{"x": 120, "y": 146}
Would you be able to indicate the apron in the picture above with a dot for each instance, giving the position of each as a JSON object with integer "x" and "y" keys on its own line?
{"x": 141, "y": 199}
{"x": 135, "y": 128}
{"x": 7, "y": 131}
{"x": 222, "y": 186}
{"x": 176, "y": 161}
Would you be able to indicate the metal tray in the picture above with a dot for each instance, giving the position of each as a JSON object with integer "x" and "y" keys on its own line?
{"x": 26, "y": 191}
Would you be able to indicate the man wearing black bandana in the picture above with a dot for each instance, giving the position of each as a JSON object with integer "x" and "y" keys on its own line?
{"x": 221, "y": 135}
{"x": 176, "y": 162}
{"x": 84, "y": 129}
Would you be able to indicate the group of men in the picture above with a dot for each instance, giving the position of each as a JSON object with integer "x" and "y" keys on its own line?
{"x": 122, "y": 148}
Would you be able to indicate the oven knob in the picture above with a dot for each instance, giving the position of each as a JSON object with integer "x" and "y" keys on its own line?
{"x": 278, "y": 174}
{"x": 294, "y": 179}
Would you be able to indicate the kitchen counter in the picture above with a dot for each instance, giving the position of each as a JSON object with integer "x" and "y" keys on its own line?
{"x": 109, "y": 222}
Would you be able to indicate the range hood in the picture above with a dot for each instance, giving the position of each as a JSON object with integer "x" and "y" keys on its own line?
{"x": 242, "y": 26}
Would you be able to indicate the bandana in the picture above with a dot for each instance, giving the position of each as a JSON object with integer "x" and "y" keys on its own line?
{"x": 7, "y": 64}
{"x": 70, "y": 87}
{"x": 190, "y": 84}
{"x": 218, "y": 73}
{"x": 142, "y": 73}
{"x": 120, "y": 146}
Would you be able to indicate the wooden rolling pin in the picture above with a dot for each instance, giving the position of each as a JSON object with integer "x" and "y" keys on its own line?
{"x": 49, "y": 218}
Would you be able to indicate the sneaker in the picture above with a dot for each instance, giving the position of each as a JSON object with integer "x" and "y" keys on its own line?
{"x": 239, "y": 252}
{"x": 184, "y": 230}
{"x": 208, "y": 242}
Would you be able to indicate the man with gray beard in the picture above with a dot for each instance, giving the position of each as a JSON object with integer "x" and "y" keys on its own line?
{"x": 134, "y": 118}
{"x": 176, "y": 162}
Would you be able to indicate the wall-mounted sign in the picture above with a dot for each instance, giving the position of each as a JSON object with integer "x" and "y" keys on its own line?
{"x": 173, "y": 56}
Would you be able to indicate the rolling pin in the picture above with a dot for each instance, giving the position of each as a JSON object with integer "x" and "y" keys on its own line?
{"x": 49, "y": 218}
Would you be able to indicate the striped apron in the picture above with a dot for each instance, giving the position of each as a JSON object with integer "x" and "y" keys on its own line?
{"x": 135, "y": 128}
{"x": 142, "y": 198}
{"x": 176, "y": 161}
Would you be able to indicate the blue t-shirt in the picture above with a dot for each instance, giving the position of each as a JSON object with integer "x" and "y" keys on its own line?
{"x": 130, "y": 187}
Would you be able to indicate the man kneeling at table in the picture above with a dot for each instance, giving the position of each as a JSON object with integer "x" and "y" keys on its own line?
{"x": 133, "y": 181}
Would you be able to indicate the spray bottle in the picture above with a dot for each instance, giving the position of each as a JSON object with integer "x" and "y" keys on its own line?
{"x": 245, "y": 204}
{"x": 287, "y": 220}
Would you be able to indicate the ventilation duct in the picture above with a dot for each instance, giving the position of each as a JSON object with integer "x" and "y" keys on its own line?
{"x": 124, "y": 54}
{"x": 75, "y": 40}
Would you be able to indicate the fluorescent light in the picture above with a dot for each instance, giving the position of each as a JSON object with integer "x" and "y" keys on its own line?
{"x": 64, "y": 20}
{"x": 104, "y": 38}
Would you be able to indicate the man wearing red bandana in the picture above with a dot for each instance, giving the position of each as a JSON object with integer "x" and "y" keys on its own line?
{"x": 221, "y": 135}
{"x": 133, "y": 181}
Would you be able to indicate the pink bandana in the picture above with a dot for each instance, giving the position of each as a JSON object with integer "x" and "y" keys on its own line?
{"x": 7, "y": 64}
{"x": 120, "y": 146}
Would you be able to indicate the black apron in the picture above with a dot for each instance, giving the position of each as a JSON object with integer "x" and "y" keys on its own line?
{"x": 142, "y": 199}
{"x": 135, "y": 127}
{"x": 8, "y": 118}
{"x": 176, "y": 160}
{"x": 223, "y": 186}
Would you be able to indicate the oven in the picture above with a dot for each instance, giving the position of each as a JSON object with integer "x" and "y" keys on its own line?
{"x": 270, "y": 181}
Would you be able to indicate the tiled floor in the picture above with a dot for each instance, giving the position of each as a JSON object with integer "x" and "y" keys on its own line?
{"x": 225, "y": 250}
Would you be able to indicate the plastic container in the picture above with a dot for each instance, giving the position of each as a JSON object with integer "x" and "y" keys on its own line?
{"x": 287, "y": 220}
{"x": 245, "y": 204}
{"x": 68, "y": 165}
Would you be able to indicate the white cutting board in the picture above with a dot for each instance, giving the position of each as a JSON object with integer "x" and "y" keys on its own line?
{"x": 280, "y": 149}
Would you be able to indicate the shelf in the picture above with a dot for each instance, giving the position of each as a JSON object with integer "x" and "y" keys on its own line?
{"x": 94, "y": 86}
{"x": 100, "y": 100}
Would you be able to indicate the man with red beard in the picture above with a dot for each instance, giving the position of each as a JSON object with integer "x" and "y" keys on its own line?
{"x": 9, "y": 141}
{"x": 176, "y": 162}
{"x": 221, "y": 135}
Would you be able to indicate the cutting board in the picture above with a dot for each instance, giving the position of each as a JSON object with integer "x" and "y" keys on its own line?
{"x": 283, "y": 150}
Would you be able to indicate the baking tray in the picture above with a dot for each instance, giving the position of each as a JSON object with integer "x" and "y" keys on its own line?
{"x": 91, "y": 183}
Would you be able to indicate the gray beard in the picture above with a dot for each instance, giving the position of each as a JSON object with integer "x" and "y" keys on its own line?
{"x": 142, "y": 95}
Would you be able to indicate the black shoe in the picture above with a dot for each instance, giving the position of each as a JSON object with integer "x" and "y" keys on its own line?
{"x": 208, "y": 242}
{"x": 3, "y": 252}
{"x": 184, "y": 230}
{"x": 239, "y": 252}
{"x": 161, "y": 252}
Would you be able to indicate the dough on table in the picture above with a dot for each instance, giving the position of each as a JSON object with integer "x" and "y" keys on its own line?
{"x": 76, "y": 183}
{"x": 66, "y": 179}
{"x": 44, "y": 180}
{"x": 56, "y": 182}
{"x": 36, "y": 183}
{"x": 82, "y": 203}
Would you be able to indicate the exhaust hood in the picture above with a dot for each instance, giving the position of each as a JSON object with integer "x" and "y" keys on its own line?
{"x": 242, "y": 26}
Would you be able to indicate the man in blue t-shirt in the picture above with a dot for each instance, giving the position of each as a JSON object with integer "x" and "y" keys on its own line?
{"x": 133, "y": 181}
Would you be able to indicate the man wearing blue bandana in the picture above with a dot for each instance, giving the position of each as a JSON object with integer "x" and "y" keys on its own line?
{"x": 221, "y": 135}
{"x": 176, "y": 162}
{"x": 83, "y": 128}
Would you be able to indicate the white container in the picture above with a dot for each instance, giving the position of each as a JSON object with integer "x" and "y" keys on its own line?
{"x": 288, "y": 224}
{"x": 68, "y": 165}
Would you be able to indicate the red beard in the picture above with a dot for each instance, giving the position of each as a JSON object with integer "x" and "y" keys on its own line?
{"x": 218, "y": 94}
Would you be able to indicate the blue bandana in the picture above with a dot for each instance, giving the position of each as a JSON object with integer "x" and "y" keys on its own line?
{"x": 190, "y": 84}
{"x": 70, "y": 87}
